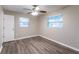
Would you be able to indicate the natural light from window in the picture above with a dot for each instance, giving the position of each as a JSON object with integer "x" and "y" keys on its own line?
{"x": 24, "y": 22}
{"x": 55, "y": 21}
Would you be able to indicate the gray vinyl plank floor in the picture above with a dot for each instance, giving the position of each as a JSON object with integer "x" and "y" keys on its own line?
{"x": 35, "y": 45}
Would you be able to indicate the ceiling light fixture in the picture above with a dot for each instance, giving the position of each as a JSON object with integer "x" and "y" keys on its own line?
{"x": 34, "y": 13}
{"x": 37, "y": 8}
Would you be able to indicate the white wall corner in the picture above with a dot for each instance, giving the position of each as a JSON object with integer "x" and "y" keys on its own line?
{"x": 61, "y": 43}
{"x": 1, "y": 48}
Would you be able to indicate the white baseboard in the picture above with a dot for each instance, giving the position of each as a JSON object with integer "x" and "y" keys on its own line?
{"x": 23, "y": 38}
{"x": 1, "y": 48}
{"x": 61, "y": 43}
{"x": 26, "y": 37}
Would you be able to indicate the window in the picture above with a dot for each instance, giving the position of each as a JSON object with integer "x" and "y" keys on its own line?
{"x": 24, "y": 22}
{"x": 55, "y": 21}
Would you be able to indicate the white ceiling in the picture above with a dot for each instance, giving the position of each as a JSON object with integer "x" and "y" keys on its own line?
{"x": 20, "y": 8}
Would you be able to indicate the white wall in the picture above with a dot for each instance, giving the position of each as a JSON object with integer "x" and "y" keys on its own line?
{"x": 69, "y": 34}
{"x": 1, "y": 25}
{"x": 24, "y": 32}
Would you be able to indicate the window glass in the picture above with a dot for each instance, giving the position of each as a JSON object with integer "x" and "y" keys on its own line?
{"x": 55, "y": 21}
{"x": 24, "y": 22}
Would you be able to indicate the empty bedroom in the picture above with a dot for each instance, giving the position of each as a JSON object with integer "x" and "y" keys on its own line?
{"x": 39, "y": 29}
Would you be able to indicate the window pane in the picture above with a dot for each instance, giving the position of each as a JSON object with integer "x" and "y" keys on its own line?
{"x": 51, "y": 20}
{"x": 59, "y": 25}
{"x": 24, "y": 22}
{"x": 54, "y": 25}
{"x": 57, "y": 18}
{"x": 50, "y": 25}
{"x": 55, "y": 21}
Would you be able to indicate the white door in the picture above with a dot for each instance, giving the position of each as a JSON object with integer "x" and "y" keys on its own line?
{"x": 8, "y": 28}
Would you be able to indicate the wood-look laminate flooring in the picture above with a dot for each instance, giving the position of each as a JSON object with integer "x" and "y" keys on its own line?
{"x": 35, "y": 45}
